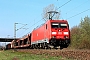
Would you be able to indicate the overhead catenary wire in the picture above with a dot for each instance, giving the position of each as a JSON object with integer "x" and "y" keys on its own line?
{"x": 77, "y": 6}
{"x": 31, "y": 26}
{"x": 63, "y": 4}
{"x": 74, "y": 8}
{"x": 22, "y": 27}
{"x": 78, "y": 14}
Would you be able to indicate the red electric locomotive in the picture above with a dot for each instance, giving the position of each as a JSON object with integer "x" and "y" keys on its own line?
{"x": 53, "y": 33}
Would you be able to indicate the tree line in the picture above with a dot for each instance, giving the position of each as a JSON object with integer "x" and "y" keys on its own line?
{"x": 80, "y": 34}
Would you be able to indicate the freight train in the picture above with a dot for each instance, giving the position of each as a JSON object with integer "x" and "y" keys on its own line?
{"x": 53, "y": 33}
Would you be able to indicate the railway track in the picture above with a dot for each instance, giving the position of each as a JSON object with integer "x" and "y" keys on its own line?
{"x": 67, "y": 53}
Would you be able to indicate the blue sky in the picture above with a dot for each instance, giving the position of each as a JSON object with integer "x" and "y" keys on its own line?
{"x": 29, "y": 12}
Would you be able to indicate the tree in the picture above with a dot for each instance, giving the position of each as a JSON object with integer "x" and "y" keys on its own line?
{"x": 85, "y": 32}
{"x": 75, "y": 36}
{"x": 80, "y": 35}
{"x": 45, "y": 15}
{"x": 85, "y": 25}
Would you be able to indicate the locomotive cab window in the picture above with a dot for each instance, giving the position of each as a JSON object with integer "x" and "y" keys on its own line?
{"x": 59, "y": 25}
{"x": 55, "y": 25}
{"x": 63, "y": 25}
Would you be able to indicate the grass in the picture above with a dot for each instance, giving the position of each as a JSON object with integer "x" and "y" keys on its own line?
{"x": 11, "y": 55}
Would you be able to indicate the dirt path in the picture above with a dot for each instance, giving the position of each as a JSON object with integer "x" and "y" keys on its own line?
{"x": 68, "y": 53}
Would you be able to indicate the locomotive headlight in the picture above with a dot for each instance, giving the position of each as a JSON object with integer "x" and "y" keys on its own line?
{"x": 66, "y": 33}
{"x": 53, "y": 36}
{"x": 53, "y": 32}
{"x": 65, "y": 36}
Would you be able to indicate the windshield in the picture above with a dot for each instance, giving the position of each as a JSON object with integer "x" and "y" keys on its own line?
{"x": 55, "y": 25}
{"x": 59, "y": 25}
{"x": 63, "y": 25}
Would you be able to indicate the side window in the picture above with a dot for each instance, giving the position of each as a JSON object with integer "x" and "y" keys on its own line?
{"x": 46, "y": 26}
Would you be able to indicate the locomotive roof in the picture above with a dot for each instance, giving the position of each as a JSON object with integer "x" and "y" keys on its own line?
{"x": 58, "y": 21}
